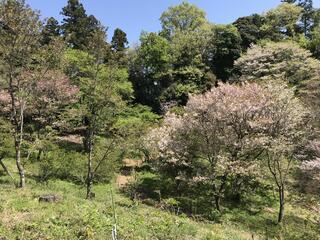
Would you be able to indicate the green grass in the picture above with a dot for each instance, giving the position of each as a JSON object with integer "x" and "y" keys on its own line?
{"x": 23, "y": 217}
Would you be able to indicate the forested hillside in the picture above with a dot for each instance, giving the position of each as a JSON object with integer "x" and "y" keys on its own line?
{"x": 201, "y": 131}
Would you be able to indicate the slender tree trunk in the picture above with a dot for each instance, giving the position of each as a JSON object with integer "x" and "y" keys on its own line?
{"x": 281, "y": 203}
{"x": 18, "y": 123}
{"x": 217, "y": 202}
{"x": 20, "y": 168}
{"x": 89, "y": 180}
{"x": 236, "y": 189}
{"x": 6, "y": 169}
{"x": 89, "y": 167}
{"x": 279, "y": 177}
{"x": 39, "y": 155}
{"x": 18, "y": 144}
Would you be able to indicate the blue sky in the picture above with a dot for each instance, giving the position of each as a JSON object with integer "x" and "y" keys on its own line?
{"x": 133, "y": 16}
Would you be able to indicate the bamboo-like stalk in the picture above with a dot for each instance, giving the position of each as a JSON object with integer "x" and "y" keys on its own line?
{"x": 114, "y": 227}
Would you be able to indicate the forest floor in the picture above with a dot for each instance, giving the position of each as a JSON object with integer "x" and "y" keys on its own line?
{"x": 22, "y": 217}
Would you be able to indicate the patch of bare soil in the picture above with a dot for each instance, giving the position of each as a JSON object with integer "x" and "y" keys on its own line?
{"x": 133, "y": 163}
{"x": 129, "y": 166}
{"x": 76, "y": 139}
{"x": 123, "y": 180}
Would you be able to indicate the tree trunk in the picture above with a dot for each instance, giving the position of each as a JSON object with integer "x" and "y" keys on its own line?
{"x": 22, "y": 182}
{"x": 305, "y": 25}
{"x": 6, "y": 169}
{"x": 89, "y": 166}
{"x": 281, "y": 204}
{"x": 217, "y": 202}
{"x": 18, "y": 138}
{"x": 89, "y": 186}
{"x": 39, "y": 155}
{"x": 217, "y": 197}
{"x": 236, "y": 189}
{"x": 217, "y": 193}
{"x": 18, "y": 123}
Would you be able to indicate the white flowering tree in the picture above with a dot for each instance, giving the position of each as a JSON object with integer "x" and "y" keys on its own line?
{"x": 274, "y": 60}
{"x": 285, "y": 131}
{"x": 225, "y": 132}
{"x": 284, "y": 61}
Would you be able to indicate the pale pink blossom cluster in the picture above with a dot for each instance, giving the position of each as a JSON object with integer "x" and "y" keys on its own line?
{"x": 287, "y": 62}
{"x": 5, "y": 101}
{"x": 312, "y": 167}
{"x": 229, "y": 126}
{"x": 55, "y": 86}
{"x": 4, "y": 98}
{"x": 40, "y": 93}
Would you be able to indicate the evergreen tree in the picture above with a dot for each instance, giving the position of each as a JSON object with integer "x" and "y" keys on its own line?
{"x": 308, "y": 15}
{"x": 51, "y": 30}
{"x": 119, "y": 40}
{"x": 249, "y": 29}
{"x": 77, "y": 27}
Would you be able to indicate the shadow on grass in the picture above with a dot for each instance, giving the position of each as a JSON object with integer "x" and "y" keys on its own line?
{"x": 256, "y": 212}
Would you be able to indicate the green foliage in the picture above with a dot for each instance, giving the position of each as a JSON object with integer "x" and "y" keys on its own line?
{"x": 154, "y": 52}
{"x": 67, "y": 135}
{"x": 183, "y": 17}
{"x": 24, "y": 70}
{"x": 118, "y": 46}
{"x": 132, "y": 124}
{"x": 151, "y": 59}
{"x": 314, "y": 44}
{"x": 105, "y": 88}
{"x": 280, "y": 23}
{"x": 103, "y": 91}
{"x": 166, "y": 71}
{"x": 57, "y": 163}
{"x": 119, "y": 40}
{"x": 183, "y": 59}
{"x": 178, "y": 93}
{"x": 135, "y": 118}
{"x": 6, "y": 150}
{"x": 188, "y": 47}
{"x": 284, "y": 60}
{"x": 21, "y": 25}
{"x": 250, "y": 29}
{"x": 77, "y": 26}
{"x": 51, "y": 30}
{"x": 309, "y": 16}
{"x": 225, "y": 49}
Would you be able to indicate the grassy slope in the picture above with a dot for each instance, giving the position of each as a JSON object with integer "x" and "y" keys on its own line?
{"x": 23, "y": 217}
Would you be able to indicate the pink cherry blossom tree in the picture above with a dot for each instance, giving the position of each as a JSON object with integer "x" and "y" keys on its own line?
{"x": 25, "y": 66}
